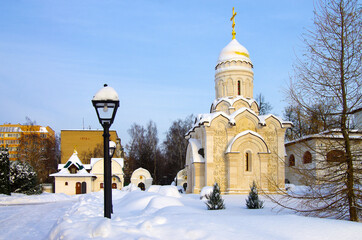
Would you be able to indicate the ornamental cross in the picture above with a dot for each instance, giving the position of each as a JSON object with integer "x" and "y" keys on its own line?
{"x": 233, "y": 19}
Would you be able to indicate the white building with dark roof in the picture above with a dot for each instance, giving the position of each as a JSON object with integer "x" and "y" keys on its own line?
{"x": 74, "y": 177}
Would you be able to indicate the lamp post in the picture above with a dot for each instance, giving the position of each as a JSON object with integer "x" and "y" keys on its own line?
{"x": 106, "y": 103}
{"x": 112, "y": 149}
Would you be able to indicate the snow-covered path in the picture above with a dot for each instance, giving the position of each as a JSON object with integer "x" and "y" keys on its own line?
{"x": 161, "y": 214}
{"x": 32, "y": 221}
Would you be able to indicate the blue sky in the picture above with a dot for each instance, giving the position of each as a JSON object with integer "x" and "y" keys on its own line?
{"x": 159, "y": 55}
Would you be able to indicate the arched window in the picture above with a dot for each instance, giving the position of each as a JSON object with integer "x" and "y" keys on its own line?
{"x": 142, "y": 186}
{"x": 335, "y": 156}
{"x": 248, "y": 161}
{"x": 238, "y": 87}
{"x": 307, "y": 157}
{"x": 291, "y": 161}
{"x": 84, "y": 187}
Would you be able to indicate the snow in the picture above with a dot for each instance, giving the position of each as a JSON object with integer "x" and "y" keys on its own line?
{"x": 156, "y": 215}
{"x": 231, "y": 101}
{"x": 332, "y": 134}
{"x": 93, "y": 161}
{"x": 263, "y": 118}
{"x": 228, "y": 149}
{"x": 106, "y": 93}
{"x": 130, "y": 188}
{"x": 234, "y": 51}
{"x": 209, "y": 117}
{"x": 207, "y": 190}
{"x": 169, "y": 191}
{"x": 195, "y": 147}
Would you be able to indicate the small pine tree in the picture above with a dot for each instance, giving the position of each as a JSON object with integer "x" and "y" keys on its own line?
{"x": 23, "y": 178}
{"x": 4, "y": 171}
{"x": 253, "y": 201}
{"x": 214, "y": 199}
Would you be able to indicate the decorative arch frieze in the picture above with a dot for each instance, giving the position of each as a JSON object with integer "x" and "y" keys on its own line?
{"x": 248, "y": 138}
{"x": 223, "y": 106}
{"x": 221, "y": 117}
{"x": 246, "y": 120}
{"x": 241, "y": 103}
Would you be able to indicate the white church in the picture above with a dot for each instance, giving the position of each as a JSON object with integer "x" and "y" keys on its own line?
{"x": 233, "y": 145}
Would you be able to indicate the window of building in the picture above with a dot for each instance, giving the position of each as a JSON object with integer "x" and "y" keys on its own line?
{"x": 101, "y": 185}
{"x": 84, "y": 187}
{"x": 12, "y": 142}
{"x": 73, "y": 169}
{"x": 12, "y": 135}
{"x": 291, "y": 161}
{"x": 239, "y": 88}
{"x": 336, "y": 156}
{"x": 66, "y": 183}
{"x": 248, "y": 161}
{"x": 307, "y": 157}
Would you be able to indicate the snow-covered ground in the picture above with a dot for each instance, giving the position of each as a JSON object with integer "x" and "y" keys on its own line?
{"x": 158, "y": 214}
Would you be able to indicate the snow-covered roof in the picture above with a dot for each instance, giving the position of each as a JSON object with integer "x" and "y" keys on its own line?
{"x": 231, "y": 101}
{"x": 333, "y": 133}
{"x": 228, "y": 149}
{"x": 93, "y": 161}
{"x": 65, "y": 173}
{"x": 43, "y": 129}
{"x": 195, "y": 147}
{"x": 85, "y": 130}
{"x": 73, "y": 160}
{"x": 141, "y": 171}
{"x": 262, "y": 119}
{"x": 234, "y": 51}
{"x": 202, "y": 119}
{"x": 241, "y": 110}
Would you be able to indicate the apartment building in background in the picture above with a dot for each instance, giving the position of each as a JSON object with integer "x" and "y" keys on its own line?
{"x": 10, "y": 135}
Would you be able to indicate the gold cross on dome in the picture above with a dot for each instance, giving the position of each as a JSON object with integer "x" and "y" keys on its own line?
{"x": 233, "y": 19}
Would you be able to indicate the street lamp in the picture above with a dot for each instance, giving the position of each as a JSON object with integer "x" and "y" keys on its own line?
{"x": 106, "y": 103}
{"x": 112, "y": 149}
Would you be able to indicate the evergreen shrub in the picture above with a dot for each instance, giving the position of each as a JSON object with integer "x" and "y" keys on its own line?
{"x": 214, "y": 199}
{"x": 253, "y": 201}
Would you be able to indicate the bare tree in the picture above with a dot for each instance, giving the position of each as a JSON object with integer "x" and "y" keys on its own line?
{"x": 143, "y": 150}
{"x": 329, "y": 73}
{"x": 152, "y": 143}
{"x": 96, "y": 152}
{"x": 264, "y": 106}
{"x": 316, "y": 119}
{"x": 41, "y": 152}
{"x": 175, "y": 144}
